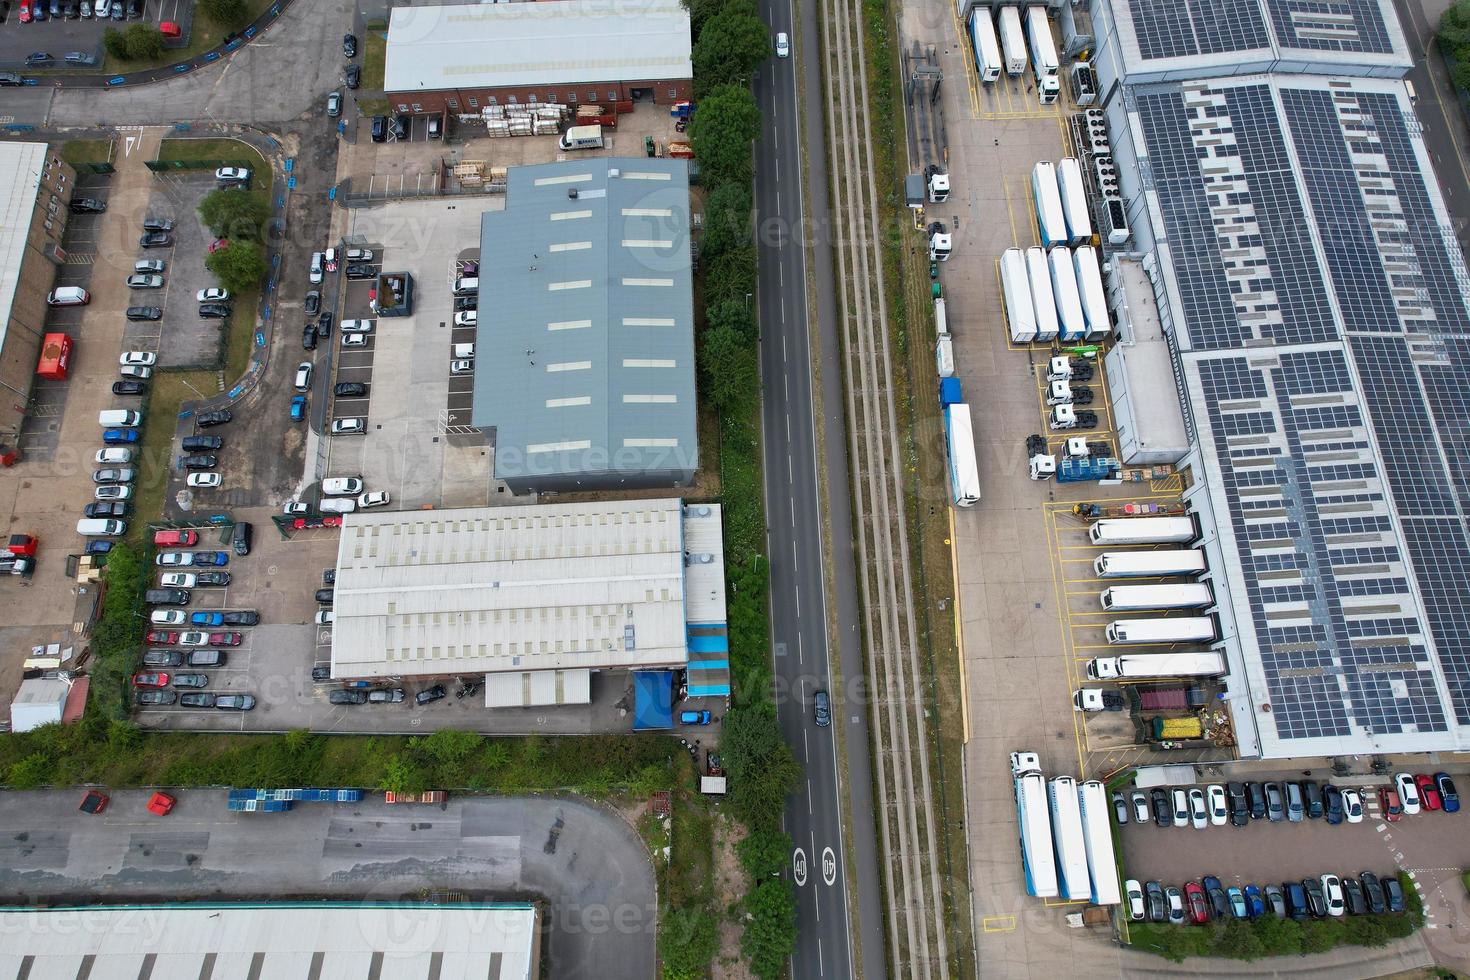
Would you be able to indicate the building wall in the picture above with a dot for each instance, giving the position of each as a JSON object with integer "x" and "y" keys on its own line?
{"x": 26, "y": 326}
{"x": 660, "y": 479}
{"x": 469, "y": 101}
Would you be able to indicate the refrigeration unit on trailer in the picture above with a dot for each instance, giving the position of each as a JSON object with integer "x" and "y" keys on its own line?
{"x": 1149, "y": 564}
{"x": 959, "y": 438}
{"x": 1012, "y": 41}
{"x": 1064, "y": 290}
{"x": 1034, "y": 816}
{"x": 987, "y": 49}
{"x": 1074, "y": 201}
{"x": 1097, "y": 840}
{"x": 1066, "y": 832}
{"x": 1091, "y": 292}
{"x": 1184, "y": 629}
{"x": 1131, "y": 598}
{"x": 1140, "y": 666}
{"x": 1047, "y": 202}
{"x": 1043, "y": 306}
{"x": 1016, "y": 288}
{"x": 1143, "y": 530}
{"x": 944, "y": 356}
{"x": 941, "y": 318}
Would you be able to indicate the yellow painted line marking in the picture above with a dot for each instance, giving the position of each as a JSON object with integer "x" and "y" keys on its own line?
{"x": 1005, "y": 185}
{"x": 998, "y": 923}
{"x": 959, "y": 638}
{"x": 1061, "y": 903}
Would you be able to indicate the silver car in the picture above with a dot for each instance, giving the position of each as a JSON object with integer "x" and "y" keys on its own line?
{"x": 140, "y": 280}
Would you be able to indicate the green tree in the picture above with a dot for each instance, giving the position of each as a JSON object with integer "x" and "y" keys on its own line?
{"x": 730, "y": 278}
{"x": 727, "y": 361}
{"x": 700, "y": 11}
{"x": 32, "y": 772}
{"x": 144, "y": 43}
{"x": 688, "y": 940}
{"x": 235, "y": 214}
{"x": 225, "y": 13}
{"x": 239, "y": 266}
{"x": 736, "y": 315}
{"x": 727, "y": 122}
{"x": 727, "y": 220}
{"x": 731, "y": 46}
{"x": 1367, "y": 930}
{"x": 761, "y": 767}
{"x": 448, "y": 746}
{"x": 1321, "y": 935}
{"x": 400, "y": 776}
{"x": 765, "y": 853}
{"x": 1236, "y": 940}
{"x": 770, "y": 927}
{"x": 115, "y": 44}
{"x": 1279, "y": 937}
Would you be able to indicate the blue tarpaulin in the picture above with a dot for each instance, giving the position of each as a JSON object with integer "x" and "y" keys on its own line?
{"x": 653, "y": 700}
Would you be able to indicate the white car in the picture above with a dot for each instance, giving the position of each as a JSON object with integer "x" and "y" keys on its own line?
{"x": 214, "y": 294}
{"x": 134, "y": 371}
{"x": 294, "y": 507}
{"x": 178, "y": 580}
{"x": 1408, "y": 792}
{"x": 303, "y": 376}
{"x": 204, "y": 479}
{"x": 325, "y": 617}
{"x": 168, "y": 617}
{"x": 112, "y": 491}
{"x": 354, "y": 340}
{"x": 174, "y": 559}
{"x": 378, "y": 498}
{"x": 1134, "y": 891}
{"x": 1197, "y": 813}
{"x": 115, "y": 454}
{"x": 1352, "y": 806}
{"x": 342, "y": 486}
{"x": 240, "y": 174}
{"x": 317, "y": 259}
{"x": 142, "y": 358}
{"x": 345, "y": 427}
{"x": 466, "y": 318}
{"x": 1332, "y": 891}
{"x": 1181, "y": 808}
{"x": 356, "y": 326}
{"x": 461, "y": 367}
{"x": 194, "y": 638}
{"x": 1219, "y": 810}
{"x": 783, "y": 45}
{"x": 338, "y": 505}
{"x": 359, "y": 255}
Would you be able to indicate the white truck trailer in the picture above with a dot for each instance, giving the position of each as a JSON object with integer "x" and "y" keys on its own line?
{"x": 964, "y": 472}
{"x": 987, "y": 50}
{"x": 944, "y": 356}
{"x": 1064, "y": 290}
{"x": 1066, "y": 832}
{"x": 1184, "y": 629}
{"x": 1090, "y": 290}
{"x": 1149, "y": 564}
{"x": 1047, "y": 202}
{"x": 1012, "y": 41}
{"x": 1037, "y": 858}
{"x": 1043, "y": 305}
{"x": 1043, "y": 55}
{"x": 1146, "y": 666}
{"x": 1097, "y": 840}
{"x": 1016, "y": 288}
{"x": 1074, "y": 201}
{"x": 1131, "y": 598}
{"x": 1143, "y": 530}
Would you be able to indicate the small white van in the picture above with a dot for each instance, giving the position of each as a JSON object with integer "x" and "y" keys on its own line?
{"x": 337, "y": 505}
{"x": 124, "y": 417}
{"x": 463, "y": 351}
{"x": 467, "y": 286}
{"x": 342, "y": 486}
{"x": 103, "y": 528}
{"x": 68, "y": 296}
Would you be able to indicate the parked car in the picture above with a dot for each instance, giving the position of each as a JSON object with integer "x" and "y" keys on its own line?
{"x": 1198, "y": 814}
{"x": 211, "y": 557}
{"x": 201, "y": 444}
{"x": 1199, "y": 906}
{"x": 206, "y": 619}
{"x": 144, "y": 358}
{"x": 1215, "y": 801}
{"x": 1133, "y": 891}
{"x": 1393, "y": 893}
{"x": 1276, "y": 901}
{"x": 206, "y": 420}
{"x": 113, "y": 491}
{"x": 1332, "y": 895}
{"x": 1352, "y": 806}
{"x": 144, "y": 313}
{"x": 342, "y": 486}
{"x": 232, "y": 175}
{"x": 199, "y": 638}
{"x": 324, "y": 324}
{"x": 1449, "y": 798}
{"x": 150, "y": 265}
{"x": 152, "y": 698}
{"x": 429, "y": 696}
{"x": 1158, "y": 906}
{"x": 1296, "y": 803}
{"x": 150, "y": 680}
{"x": 1390, "y": 805}
{"x": 214, "y": 294}
{"x": 313, "y": 303}
{"x": 386, "y": 695}
{"x": 1352, "y": 893}
{"x": 212, "y": 577}
{"x": 1236, "y": 897}
{"x": 119, "y": 437}
{"x": 163, "y": 658}
{"x": 155, "y": 239}
{"x": 129, "y": 388}
{"x": 334, "y": 104}
{"x": 1373, "y": 893}
{"x": 201, "y": 461}
{"x": 1428, "y": 793}
{"x": 183, "y": 538}
{"x": 196, "y": 699}
{"x": 1296, "y": 900}
{"x": 342, "y": 696}
{"x": 350, "y": 389}
{"x": 241, "y": 536}
{"x": 156, "y": 223}
{"x": 1179, "y": 798}
{"x": 298, "y": 409}
{"x": 181, "y": 580}
{"x": 1312, "y": 798}
{"x": 1120, "y": 803}
{"x": 349, "y": 45}
{"x": 353, "y": 76}
{"x": 106, "y": 508}
{"x": 325, "y": 596}
{"x": 1141, "y": 812}
{"x": 241, "y": 617}
{"x": 207, "y": 658}
{"x": 1408, "y": 792}
{"x": 303, "y": 376}
{"x": 1175, "y": 899}
{"x": 1275, "y": 803}
{"x": 113, "y": 456}
{"x": 1219, "y": 902}
{"x": 135, "y": 371}
{"x": 204, "y": 480}
{"x": 1316, "y": 897}
{"x": 379, "y": 498}
{"x": 191, "y": 680}
{"x": 1332, "y": 804}
{"x": 234, "y": 702}
{"x": 115, "y": 474}
{"x": 308, "y": 337}
{"x": 161, "y": 638}
{"x": 139, "y": 281}
{"x": 361, "y": 270}
{"x": 349, "y": 426}
{"x": 1163, "y": 812}
{"x": 214, "y": 311}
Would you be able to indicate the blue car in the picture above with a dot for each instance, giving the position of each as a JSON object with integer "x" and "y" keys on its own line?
{"x": 298, "y": 408}
{"x": 207, "y": 619}
{"x": 1449, "y": 800}
{"x": 119, "y": 437}
{"x": 1255, "y": 902}
{"x": 1237, "y": 902}
{"x": 211, "y": 558}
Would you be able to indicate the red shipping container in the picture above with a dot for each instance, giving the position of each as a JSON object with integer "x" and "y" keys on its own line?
{"x": 55, "y": 356}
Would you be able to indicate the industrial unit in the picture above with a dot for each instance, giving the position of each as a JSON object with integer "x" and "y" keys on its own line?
{"x": 585, "y": 361}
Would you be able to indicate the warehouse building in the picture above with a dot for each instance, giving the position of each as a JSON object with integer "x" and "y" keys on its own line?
{"x": 38, "y": 187}
{"x": 300, "y": 939}
{"x": 585, "y": 357}
{"x": 537, "y": 598}
{"x": 1316, "y": 306}
{"x": 462, "y": 58}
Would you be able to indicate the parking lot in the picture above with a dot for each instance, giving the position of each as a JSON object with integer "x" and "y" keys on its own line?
{"x": 182, "y": 338}
{"x": 59, "y": 36}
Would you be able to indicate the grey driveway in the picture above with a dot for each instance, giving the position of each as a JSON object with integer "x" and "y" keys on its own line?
{"x": 586, "y": 865}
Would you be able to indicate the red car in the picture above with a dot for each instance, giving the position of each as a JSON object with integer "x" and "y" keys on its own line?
{"x": 150, "y": 680}
{"x": 1388, "y": 802}
{"x": 25, "y": 11}
{"x": 1428, "y": 792}
{"x": 225, "y": 639}
{"x": 183, "y": 539}
{"x": 161, "y": 804}
{"x": 162, "y": 638}
{"x": 93, "y": 802}
{"x": 218, "y": 244}
{"x": 1199, "y": 906}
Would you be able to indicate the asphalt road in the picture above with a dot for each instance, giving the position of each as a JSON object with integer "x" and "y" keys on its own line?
{"x": 816, "y": 816}
{"x": 587, "y": 864}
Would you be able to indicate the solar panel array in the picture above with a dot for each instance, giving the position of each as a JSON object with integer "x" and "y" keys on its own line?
{"x": 1171, "y": 29}
{"x": 1338, "y": 25}
{"x": 1324, "y": 311}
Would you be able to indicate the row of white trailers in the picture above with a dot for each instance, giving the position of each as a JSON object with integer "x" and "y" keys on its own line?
{"x": 1008, "y": 52}
{"x": 1066, "y": 835}
{"x": 1054, "y": 293}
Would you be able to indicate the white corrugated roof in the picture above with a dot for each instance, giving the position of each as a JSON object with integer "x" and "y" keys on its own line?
{"x": 529, "y": 44}
{"x": 20, "y": 180}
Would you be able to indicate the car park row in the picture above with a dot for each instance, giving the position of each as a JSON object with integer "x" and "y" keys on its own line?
{"x": 1206, "y": 900}
{"x": 1238, "y": 803}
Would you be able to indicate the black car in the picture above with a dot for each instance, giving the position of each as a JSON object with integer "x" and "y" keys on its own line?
{"x": 313, "y": 304}
{"x": 324, "y": 324}
{"x": 207, "y": 419}
{"x": 436, "y": 693}
{"x": 329, "y": 576}
{"x": 1163, "y": 810}
{"x": 1219, "y": 901}
{"x": 158, "y": 224}
{"x": 196, "y": 699}
{"x": 321, "y": 673}
{"x": 1332, "y": 804}
{"x": 1352, "y": 893}
{"x": 341, "y": 696}
{"x": 196, "y": 444}
{"x": 1158, "y": 907}
{"x": 380, "y": 129}
{"x": 1296, "y": 899}
{"x": 400, "y": 127}
{"x": 190, "y": 680}
{"x": 324, "y": 596}
{"x": 1240, "y": 807}
{"x": 199, "y": 462}
{"x": 308, "y": 338}
{"x": 145, "y": 313}
{"x": 9, "y": 78}
{"x": 1256, "y": 794}
{"x": 128, "y": 387}
{"x": 135, "y": 8}
{"x": 155, "y": 697}
{"x": 1312, "y": 794}
{"x": 119, "y": 12}
{"x": 1316, "y": 898}
{"x": 349, "y": 45}
{"x": 1393, "y": 894}
{"x": 166, "y": 597}
{"x": 464, "y": 303}
{"x": 214, "y": 311}
{"x": 822, "y": 709}
{"x": 244, "y": 617}
{"x": 241, "y": 537}
{"x": 350, "y": 389}
{"x": 211, "y": 578}
{"x": 1373, "y": 893}
{"x": 156, "y": 239}
{"x": 98, "y": 546}
{"x": 354, "y": 76}
{"x": 163, "y": 658}
{"x": 87, "y": 205}
{"x": 107, "y": 508}
{"x": 361, "y": 270}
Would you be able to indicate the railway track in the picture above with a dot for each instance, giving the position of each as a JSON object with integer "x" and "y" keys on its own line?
{"x": 915, "y": 912}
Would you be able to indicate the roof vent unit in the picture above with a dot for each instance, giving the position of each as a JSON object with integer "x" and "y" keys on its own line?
{"x": 614, "y": 172}
{"x": 572, "y": 193}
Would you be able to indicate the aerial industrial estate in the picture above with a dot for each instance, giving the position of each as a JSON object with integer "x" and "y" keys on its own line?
{"x": 599, "y": 589}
